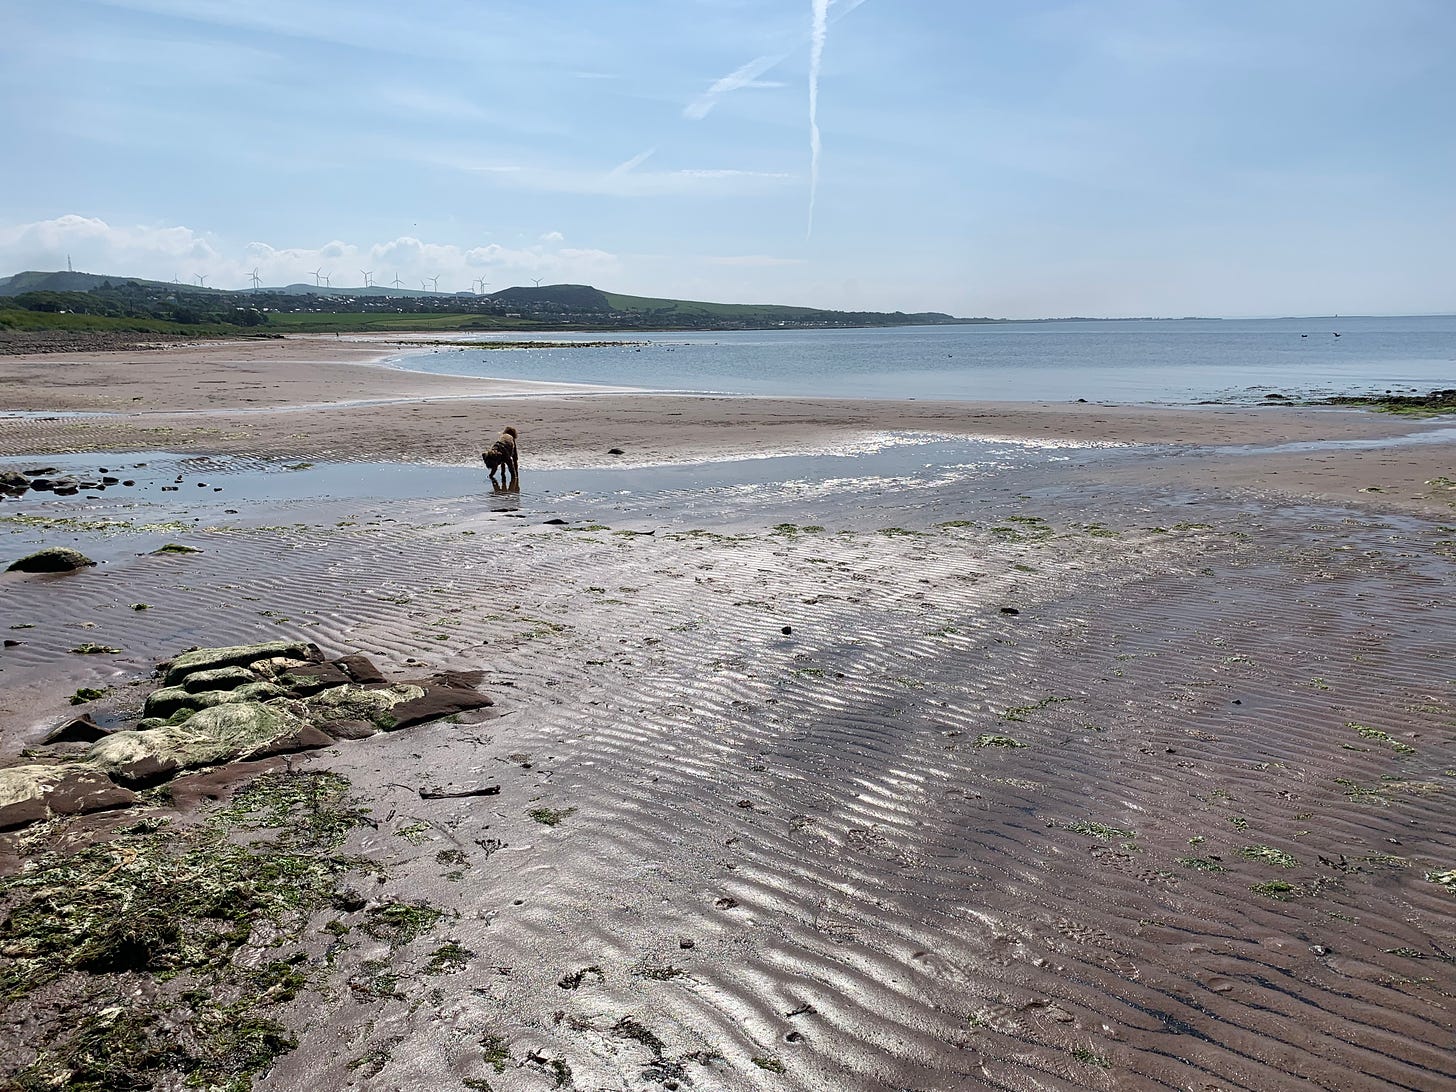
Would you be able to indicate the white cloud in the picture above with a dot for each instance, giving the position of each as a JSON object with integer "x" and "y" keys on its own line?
{"x": 744, "y": 76}
{"x": 165, "y": 253}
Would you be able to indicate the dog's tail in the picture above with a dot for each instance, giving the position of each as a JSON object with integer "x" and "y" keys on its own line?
{"x": 510, "y": 430}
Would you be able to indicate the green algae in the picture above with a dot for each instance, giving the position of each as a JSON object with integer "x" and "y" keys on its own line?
{"x": 163, "y": 914}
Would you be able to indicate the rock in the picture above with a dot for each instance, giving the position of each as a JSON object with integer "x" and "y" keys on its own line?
{"x": 311, "y": 678}
{"x": 368, "y": 704}
{"x": 81, "y": 730}
{"x": 168, "y": 701}
{"x": 441, "y": 696}
{"x": 29, "y": 794}
{"x": 224, "y": 733}
{"x": 615, "y": 451}
{"x": 13, "y": 482}
{"x": 53, "y": 559}
{"x": 176, "y": 547}
{"x": 218, "y": 678}
{"x": 206, "y": 659}
{"x": 360, "y": 668}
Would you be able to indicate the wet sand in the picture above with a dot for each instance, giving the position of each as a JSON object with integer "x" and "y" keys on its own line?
{"x": 1076, "y": 773}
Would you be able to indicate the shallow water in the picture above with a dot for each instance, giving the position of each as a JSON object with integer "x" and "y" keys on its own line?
{"x": 1152, "y": 361}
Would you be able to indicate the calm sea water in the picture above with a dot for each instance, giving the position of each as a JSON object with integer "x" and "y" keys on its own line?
{"x": 1137, "y": 361}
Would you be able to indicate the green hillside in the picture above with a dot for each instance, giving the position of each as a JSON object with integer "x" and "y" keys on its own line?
{"x": 647, "y": 305}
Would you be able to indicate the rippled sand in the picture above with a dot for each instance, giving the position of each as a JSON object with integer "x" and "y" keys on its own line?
{"x": 1047, "y": 774}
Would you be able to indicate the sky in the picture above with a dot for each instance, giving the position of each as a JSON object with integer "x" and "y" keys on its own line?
{"x": 1041, "y": 158}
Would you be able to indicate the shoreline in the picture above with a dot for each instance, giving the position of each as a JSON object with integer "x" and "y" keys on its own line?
{"x": 308, "y": 398}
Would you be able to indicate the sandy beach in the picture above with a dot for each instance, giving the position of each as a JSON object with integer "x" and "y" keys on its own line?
{"x": 1121, "y": 757}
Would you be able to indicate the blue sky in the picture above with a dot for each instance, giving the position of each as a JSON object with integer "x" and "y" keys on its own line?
{"x": 1100, "y": 157}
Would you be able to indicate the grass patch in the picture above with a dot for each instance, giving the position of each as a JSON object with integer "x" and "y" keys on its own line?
{"x": 1098, "y": 830}
{"x": 551, "y": 816}
{"x": 88, "y": 693}
{"x": 1020, "y": 712}
{"x": 1201, "y": 864}
{"x": 1276, "y": 857}
{"x": 1276, "y": 889}
{"x": 87, "y": 648}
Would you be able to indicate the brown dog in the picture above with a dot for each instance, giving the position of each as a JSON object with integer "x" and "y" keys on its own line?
{"x": 502, "y": 456}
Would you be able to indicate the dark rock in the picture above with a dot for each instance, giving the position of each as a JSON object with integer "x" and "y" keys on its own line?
{"x": 554, "y": 522}
{"x": 445, "y": 694}
{"x": 86, "y": 791}
{"x": 615, "y": 451}
{"x": 81, "y": 730}
{"x": 1009, "y": 610}
{"x": 360, "y": 668}
{"x": 787, "y": 630}
{"x": 311, "y": 678}
{"x": 350, "y": 729}
{"x": 38, "y": 471}
{"x": 29, "y": 794}
{"x": 53, "y": 559}
{"x": 11, "y": 482}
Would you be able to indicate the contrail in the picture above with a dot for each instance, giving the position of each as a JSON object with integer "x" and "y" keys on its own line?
{"x": 816, "y": 57}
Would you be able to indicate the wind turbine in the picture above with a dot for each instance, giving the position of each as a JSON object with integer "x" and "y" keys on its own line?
{"x": 396, "y": 282}
{"x": 255, "y": 278}
{"x": 317, "y": 273}
{"x": 537, "y": 280}
{"x": 436, "y": 279}
{"x": 328, "y": 283}
{"x": 367, "y": 274}
{"x": 424, "y": 286}
{"x": 201, "y": 278}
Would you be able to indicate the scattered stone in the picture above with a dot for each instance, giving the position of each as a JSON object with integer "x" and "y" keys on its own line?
{"x": 81, "y": 730}
{"x": 206, "y": 659}
{"x": 222, "y": 705}
{"x": 29, "y": 794}
{"x": 558, "y": 522}
{"x": 176, "y": 548}
{"x": 217, "y": 678}
{"x": 787, "y": 630}
{"x": 223, "y": 733}
{"x": 1009, "y": 610}
{"x": 53, "y": 559}
{"x": 359, "y": 668}
{"x": 13, "y": 482}
{"x": 615, "y": 451}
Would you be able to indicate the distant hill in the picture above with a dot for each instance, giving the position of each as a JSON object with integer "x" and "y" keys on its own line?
{"x": 67, "y": 281}
{"x": 541, "y": 305}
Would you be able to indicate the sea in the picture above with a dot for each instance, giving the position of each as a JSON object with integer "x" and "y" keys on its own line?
{"x": 1153, "y": 361}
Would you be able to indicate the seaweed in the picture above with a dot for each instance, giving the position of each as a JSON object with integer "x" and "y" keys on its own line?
{"x": 162, "y": 914}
